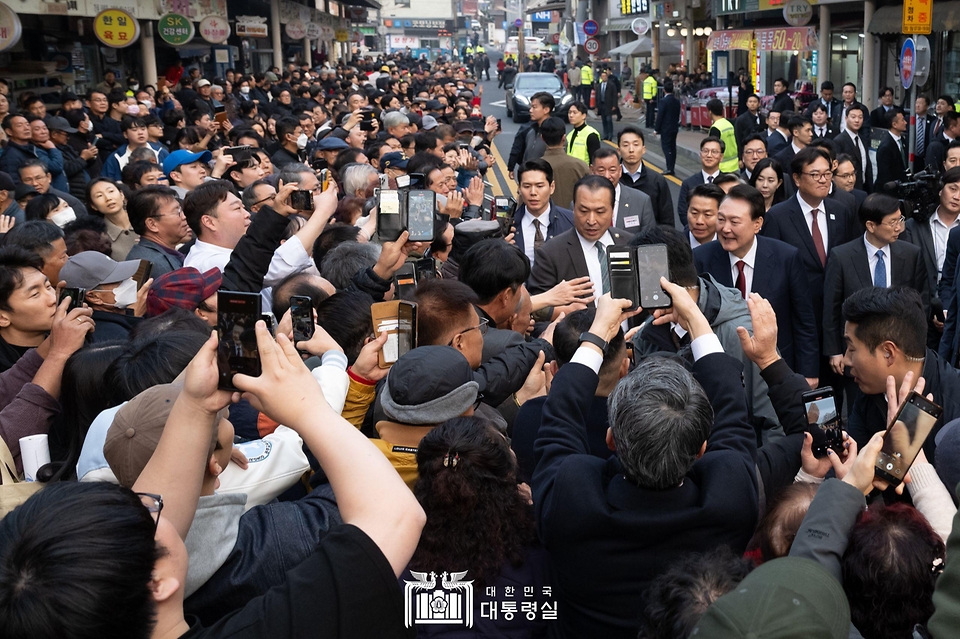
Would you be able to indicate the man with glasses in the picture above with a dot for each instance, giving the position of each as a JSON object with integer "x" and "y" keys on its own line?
{"x": 257, "y": 194}
{"x": 810, "y": 222}
{"x": 157, "y": 217}
{"x": 879, "y": 260}
{"x": 711, "y": 152}
{"x": 754, "y": 150}
{"x": 748, "y": 123}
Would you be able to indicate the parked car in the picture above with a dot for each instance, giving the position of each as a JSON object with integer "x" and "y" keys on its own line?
{"x": 525, "y": 85}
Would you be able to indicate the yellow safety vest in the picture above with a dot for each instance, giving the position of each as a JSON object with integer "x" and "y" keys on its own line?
{"x": 578, "y": 147}
{"x": 586, "y": 76}
{"x": 469, "y": 50}
{"x": 650, "y": 88}
{"x": 730, "y": 163}
{"x": 480, "y": 49}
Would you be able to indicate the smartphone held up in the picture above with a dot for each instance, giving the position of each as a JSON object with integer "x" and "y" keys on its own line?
{"x": 237, "y": 352}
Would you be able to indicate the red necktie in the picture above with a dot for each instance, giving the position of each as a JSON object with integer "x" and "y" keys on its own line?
{"x": 818, "y": 238}
{"x": 741, "y": 279}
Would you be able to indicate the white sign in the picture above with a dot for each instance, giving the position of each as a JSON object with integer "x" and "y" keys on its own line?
{"x": 252, "y": 27}
{"x": 296, "y": 30}
{"x": 313, "y": 30}
{"x": 403, "y": 41}
{"x": 640, "y": 26}
{"x": 214, "y": 29}
{"x": 797, "y": 13}
{"x": 10, "y": 27}
{"x": 591, "y": 46}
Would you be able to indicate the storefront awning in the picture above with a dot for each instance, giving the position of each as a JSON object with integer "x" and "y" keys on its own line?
{"x": 545, "y": 5}
{"x": 637, "y": 47}
{"x": 889, "y": 19}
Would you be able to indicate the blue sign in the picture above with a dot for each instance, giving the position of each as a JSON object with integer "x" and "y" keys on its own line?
{"x": 541, "y": 16}
{"x": 518, "y": 23}
{"x": 908, "y": 63}
{"x": 591, "y": 28}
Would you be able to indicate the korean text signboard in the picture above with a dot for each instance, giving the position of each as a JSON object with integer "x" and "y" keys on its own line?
{"x": 116, "y": 28}
{"x": 175, "y": 29}
{"x": 917, "y": 16}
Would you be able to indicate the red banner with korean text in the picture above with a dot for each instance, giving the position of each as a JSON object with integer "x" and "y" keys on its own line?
{"x": 730, "y": 40}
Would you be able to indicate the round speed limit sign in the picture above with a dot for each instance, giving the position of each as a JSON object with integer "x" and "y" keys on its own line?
{"x": 592, "y": 45}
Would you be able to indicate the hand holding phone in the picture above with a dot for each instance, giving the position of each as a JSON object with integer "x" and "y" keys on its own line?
{"x": 905, "y": 437}
{"x": 237, "y": 316}
{"x": 301, "y": 314}
{"x": 76, "y": 296}
{"x": 823, "y": 421}
{"x": 652, "y": 264}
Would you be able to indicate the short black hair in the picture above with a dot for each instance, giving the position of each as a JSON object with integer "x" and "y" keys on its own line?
{"x": 595, "y": 183}
{"x": 818, "y": 106}
{"x": 888, "y": 315}
{"x": 40, "y": 206}
{"x": 884, "y": 91}
{"x": 492, "y": 265}
{"x": 425, "y": 141}
{"x": 630, "y": 129}
{"x": 439, "y": 304}
{"x": 890, "y": 116}
{"x": 750, "y": 195}
{"x": 204, "y": 200}
{"x": 715, "y": 140}
{"x": 566, "y": 339}
{"x": 606, "y": 151}
{"x": 144, "y": 203}
{"x": 155, "y": 357}
{"x": 346, "y": 317}
{"x": 13, "y": 261}
{"x": 545, "y": 100}
{"x": 952, "y": 176}
{"x": 536, "y": 165}
{"x": 34, "y": 235}
{"x": 297, "y": 283}
{"x": 286, "y": 125}
{"x": 877, "y": 206}
{"x": 129, "y": 122}
{"x": 712, "y": 191}
{"x": 679, "y": 254}
{"x": 798, "y": 122}
{"x": 552, "y": 131}
{"x": 331, "y": 237}
{"x": 715, "y": 106}
{"x": 807, "y": 156}
{"x": 133, "y": 172}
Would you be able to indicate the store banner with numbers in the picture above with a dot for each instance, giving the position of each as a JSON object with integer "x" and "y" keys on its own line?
{"x": 730, "y": 40}
{"x": 116, "y": 28}
{"x": 788, "y": 39}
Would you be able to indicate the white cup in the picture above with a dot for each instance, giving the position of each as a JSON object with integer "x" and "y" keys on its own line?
{"x": 34, "y": 453}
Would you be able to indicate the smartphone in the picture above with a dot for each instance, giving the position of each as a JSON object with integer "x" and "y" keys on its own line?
{"x": 237, "y": 315}
{"x": 301, "y": 313}
{"x": 366, "y": 125}
{"x": 499, "y": 125}
{"x": 220, "y": 114}
{"x": 651, "y": 266}
{"x": 936, "y": 305}
{"x": 403, "y": 181}
{"x": 624, "y": 279}
{"x": 302, "y": 200}
{"x": 384, "y": 181}
{"x": 318, "y": 164}
{"x": 425, "y": 269}
{"x": 823, "y": 421}
{"x": 271, "y": 321}
{"x": 399, "y": 319}
{"x": 324, "y": 179}
{"x": 421, "y": 205}
{"x": 143, "y": 273}
{"x": 417, "y": 181}
{"x": 488, "y": 212}
{"x": 506, "y": 207}
{"x": 405, "y": 281}
{"x": 234, "y": 151}
{"x": 389, "y": 224}
{"x": 905, "y": 437}
{"x": 76, "y": 296}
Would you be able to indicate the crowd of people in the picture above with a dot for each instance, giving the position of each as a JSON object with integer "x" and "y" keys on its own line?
{"x": 580, "y": 466}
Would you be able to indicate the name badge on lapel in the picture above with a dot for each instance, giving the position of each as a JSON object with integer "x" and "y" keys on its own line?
{"x": 631, "y": 220}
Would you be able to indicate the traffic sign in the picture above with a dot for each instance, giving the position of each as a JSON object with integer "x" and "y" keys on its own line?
{"x": 518, "y": 23}
{"x": 908, "y": 59}
{"x": 591, "y": 46}
{"x": 591, "y": 28}
{"x": 917, "y": 16}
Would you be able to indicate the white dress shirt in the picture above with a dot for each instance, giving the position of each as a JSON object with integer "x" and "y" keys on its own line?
{"x": 819, "y": 131}
{"x": 633, "y": 176}
{"x": 749, "y": 261}
{"x": 706, "y": 176}
{"x": 616, "y": 204}
{"x": 204, "y": 256}
{"x": 796, "y": 149}
{"x": 821, "y": 220}
{"x": 896, "y": 138}
{"x": 693, "y": 241}
{"x": 530, "y": 230}
{"x": 858, "y": 143}
{"x": 872, "y": 259}
{"x": 940, "y": 232}
{"x": 593, "y": 260}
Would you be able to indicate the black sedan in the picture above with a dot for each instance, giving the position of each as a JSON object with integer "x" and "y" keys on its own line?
{"x": 526, "y": 84}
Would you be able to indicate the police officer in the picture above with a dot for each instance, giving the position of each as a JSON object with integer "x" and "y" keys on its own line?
{"x": 650, "y": 97}
{"x": 586, "y": 83}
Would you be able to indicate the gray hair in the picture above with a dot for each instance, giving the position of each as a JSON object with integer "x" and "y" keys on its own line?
{"x": 356, "y": 177}
{"x": 394, "y": 118}
{"x": 293, "y": 172}
{"x": 660, "y": 416}
{"x": 346, "y": 260}
{"x": 249, "y": 195}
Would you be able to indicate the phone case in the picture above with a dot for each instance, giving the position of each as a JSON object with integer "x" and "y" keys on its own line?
{"x": 399, "y": 319}
{"x": 903, "y": 440}
{"x": 389, "y": 222}
{"x": 622, "y": 267}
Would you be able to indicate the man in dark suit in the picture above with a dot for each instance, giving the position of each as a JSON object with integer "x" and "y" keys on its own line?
{"x": 581, "y": 251}
{"x": 754, "y": 150}
{"x": 606, "y": 103}
{"x": 878, "y": 117}
{"x": 877, "y": 259}
{"x": 782, "y": 101}
{"x": 801, "y": 134}
{"x": 776, "y": 140}
{"x": 748, "y": 122}
{"x": 611, "y": 526}
{"x": 937, "y": 151}
{"x": 810, "y": 222}
{"x": 855, "y": 144}
{"x": 632, "y": 148}
{"x": 822, "y": 126}
{"x": 826, "y": 99}
{"x": 538, "y": 219}
{"x": 633, "y": 209}
{"x": 845, "y": 179}
{"x": 892, "y": 153}
{"x": 924, "y": 131}
{"x": 711, "y": 150}
{"x": 751, "y": 263}
{"x": 668, "y": 125}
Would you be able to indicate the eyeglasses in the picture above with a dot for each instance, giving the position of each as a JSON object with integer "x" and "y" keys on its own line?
{"x": 710, "y": 152}
{"x": 897, "y": 223}
{"x": 845, "y": 176}
{"x": 755, "y": 152}
{"x": 154, "y": 504}
{"x": 266, "y": 199}
{"x": 482, "y": 327}
{"x": 822, "y": 176}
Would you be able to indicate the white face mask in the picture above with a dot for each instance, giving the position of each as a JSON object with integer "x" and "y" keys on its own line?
{"x": 126, "y": 294}
{"x": 244, "y": 90}
{"x": 134, "y": 87}
{"x": 148, "y": 104}
{"x": 64, "y": 217}
{"x": 133, "y": 109}
{"x": 302, "y": 141}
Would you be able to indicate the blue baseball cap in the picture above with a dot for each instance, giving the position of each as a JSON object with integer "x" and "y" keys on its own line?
{"x": 395, "y": 160}
{"x": 331, "y": 143}
{"x": 180, "y": 157}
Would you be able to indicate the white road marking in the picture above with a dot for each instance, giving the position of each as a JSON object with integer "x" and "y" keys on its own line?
{"x": 499, "y": 103}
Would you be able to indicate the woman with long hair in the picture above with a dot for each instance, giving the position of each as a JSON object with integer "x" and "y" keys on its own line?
{"x": 106, "y": 199}
{"x": 768, "y": 179}
{"x": 478, "y": 521}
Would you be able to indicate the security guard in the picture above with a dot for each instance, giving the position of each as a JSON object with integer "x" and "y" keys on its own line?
{"x": 723, "y": 129}
{"x": 586, "y": 84}
{"x": 480, "y": 49}
{"x": 584, "y": 138}
{"x": 650, "y": 98}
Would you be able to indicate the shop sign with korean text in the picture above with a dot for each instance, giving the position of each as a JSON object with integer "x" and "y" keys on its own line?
{"x": 116, "y": 28}
{"x": 788, "y": 39}
{"x": 10, "y": 27}
{"x": 175, "y": 29}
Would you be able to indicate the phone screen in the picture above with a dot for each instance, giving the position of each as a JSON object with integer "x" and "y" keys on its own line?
{"x": 405, "y": 281}
{"x": 389, "y": 226}
{"x": 823, "y": 421}
{"x": 237, "y": 315}
{"x": 905, "y": 437}
{"x": 420, "y": 215}
{"x": 302, "y": 200}
{"x": 623, "y": 275}
{"x": 76, "y": 297}
{"x": 301, "y": 314}
{"x": 651, "y": 266}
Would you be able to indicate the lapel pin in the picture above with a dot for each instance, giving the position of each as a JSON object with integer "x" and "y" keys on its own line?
{"x": 833, "y": 217}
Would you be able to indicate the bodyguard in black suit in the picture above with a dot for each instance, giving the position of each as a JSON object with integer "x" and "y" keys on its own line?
{"x": 748, "y": 122}
{"x": 937, "y": 151}
{"x": 711, "y": 151}
{"x": 801, "y": 132}
{"x": 632, "y": 147}
{"x": 574, "y": 253}
{"x": 878, "y": 117}
{"x": 854, "y": 143}
{"x": 771, "y": 268}
{"x": 854, "y": 266}
{"x": 606, "y": 103}
{"x": 792, "y": 221}
{"x": 826, "y": 99}
{"x": 822, "y": 126}
{"x": 892, "y": 153}
{"x": 668, "y": 125}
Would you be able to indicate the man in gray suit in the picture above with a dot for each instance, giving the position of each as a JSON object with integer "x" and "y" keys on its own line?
{"x": 632, "y": 208}
{"x": 581, "y": 251}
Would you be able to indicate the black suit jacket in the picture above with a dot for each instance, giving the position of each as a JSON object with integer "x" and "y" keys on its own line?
{"x": 785, "y": 157}
{"x": 786, "y": 222}
{"x": 878, "y": 117}
{"x": 848, "y": 271}
{"x": 920, "y": 235}
{"x": 654, "y": 185}
{"x": 834, "y": 106}
{"x": 843, "y": 143}
{"x": 849, "y": 202}
{"x": 920, "y": 161}
{"x": 683, "y": 200}
{"x": 829, "y": 131}
{"x": 607, "y": 102}
{"x": 562, "y": 259}
{"x": 775, "y": 143}
{"x": 838, "y": 118}
{"x": 778, "y": 277}
{"x": 668, "y": 115}
{"x": 890, "y": 165}
{"x": 746, "y": 125}
{"x": 937, "y": 152}
{"x": 608, "y": 537}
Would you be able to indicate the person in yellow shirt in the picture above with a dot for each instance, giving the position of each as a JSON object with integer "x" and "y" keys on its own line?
{"x": 586, "y": 84}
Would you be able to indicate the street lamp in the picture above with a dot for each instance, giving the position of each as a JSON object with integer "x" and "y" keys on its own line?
{"x": 683, "y": 32}
{"x": 707, "y": 31}
{"x": 698, "y": 31}
{"x": 671, "y": 32}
